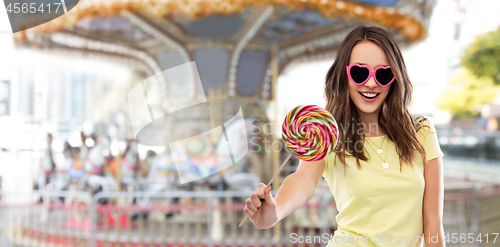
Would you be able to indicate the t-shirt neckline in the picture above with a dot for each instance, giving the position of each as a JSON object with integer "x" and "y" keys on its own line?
{"x": 376, "y": 137}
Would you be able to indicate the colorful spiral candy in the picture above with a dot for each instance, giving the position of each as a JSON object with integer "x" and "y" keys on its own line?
{"x": 310, "y": 132}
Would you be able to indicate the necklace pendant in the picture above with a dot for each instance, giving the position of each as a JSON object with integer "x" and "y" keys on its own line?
{"x": 385, "y": 165}
{"x": 379, "y": 151}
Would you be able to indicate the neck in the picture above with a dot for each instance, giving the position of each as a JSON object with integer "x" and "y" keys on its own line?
{"x": 370, "y": 121}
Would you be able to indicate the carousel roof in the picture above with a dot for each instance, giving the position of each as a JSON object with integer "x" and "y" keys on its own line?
{"x": 243, "y": 36}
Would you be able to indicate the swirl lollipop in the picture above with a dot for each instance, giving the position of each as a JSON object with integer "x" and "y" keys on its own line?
{"x": 310, "y": 132}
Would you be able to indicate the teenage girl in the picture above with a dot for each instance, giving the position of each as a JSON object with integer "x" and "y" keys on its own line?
{"x": 386, "y": 172}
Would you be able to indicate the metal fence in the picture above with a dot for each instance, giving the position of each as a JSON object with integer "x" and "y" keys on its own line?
{"x": 471, "y": 215}
{"x": 204, "y": 218}
{"x": 43, "y": 218}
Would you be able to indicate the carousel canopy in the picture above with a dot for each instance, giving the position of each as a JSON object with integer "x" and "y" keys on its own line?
{"x": 234, "y": 43}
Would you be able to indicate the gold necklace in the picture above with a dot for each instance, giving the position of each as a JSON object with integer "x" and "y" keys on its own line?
{"x": 385, "y": 165}
{"x": 379, "y": 148}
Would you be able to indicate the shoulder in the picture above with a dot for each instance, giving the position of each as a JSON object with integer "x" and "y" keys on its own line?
{"x": 424, "y": 125}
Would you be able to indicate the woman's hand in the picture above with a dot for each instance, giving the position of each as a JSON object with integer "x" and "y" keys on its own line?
{"x": 261, "y": 208}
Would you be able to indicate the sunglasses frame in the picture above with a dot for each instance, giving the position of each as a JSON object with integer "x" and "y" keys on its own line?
{"x": 371, "y": 73}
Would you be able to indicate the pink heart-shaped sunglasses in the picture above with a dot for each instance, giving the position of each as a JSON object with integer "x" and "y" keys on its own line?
{"x": 360, "y": 73}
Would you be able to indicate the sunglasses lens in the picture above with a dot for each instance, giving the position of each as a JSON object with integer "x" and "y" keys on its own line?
{"x": 359, "y": 74}
{"x": 384, "y": 76}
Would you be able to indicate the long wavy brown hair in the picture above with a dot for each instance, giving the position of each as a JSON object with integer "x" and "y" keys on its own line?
{"x": 394, "y": 117}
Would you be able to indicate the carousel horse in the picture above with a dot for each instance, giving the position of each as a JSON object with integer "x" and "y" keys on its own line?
{"x": 129, "y": 164}
{"x": 76, "y": 172}
{"x": 162, "y": 176}
{"x": 84, "y": 149}
{"x": 203, "y": 162}
{"x": 62, "y": 180}
{"x": 94, "y": 165}
{"x": 145, "y": 168}
{"x": 47, "y": 171}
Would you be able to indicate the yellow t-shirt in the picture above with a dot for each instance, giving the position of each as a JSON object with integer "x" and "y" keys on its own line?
{"x": 377, "y": 204}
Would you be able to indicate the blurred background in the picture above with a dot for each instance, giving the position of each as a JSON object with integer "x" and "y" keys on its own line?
{"x": 73, "y": 173}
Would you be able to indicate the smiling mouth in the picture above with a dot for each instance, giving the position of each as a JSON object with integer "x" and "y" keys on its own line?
{"x": 369, "y": 95}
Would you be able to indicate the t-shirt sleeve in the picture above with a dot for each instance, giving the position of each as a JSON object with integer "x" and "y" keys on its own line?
{"x": 429, "y": 139}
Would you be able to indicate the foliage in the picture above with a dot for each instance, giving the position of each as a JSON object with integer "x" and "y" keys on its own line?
{"x": 482, "y": 57}
{"x": 465, "y": 94}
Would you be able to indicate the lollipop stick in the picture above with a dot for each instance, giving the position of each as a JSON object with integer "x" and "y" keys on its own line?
{"x": 272, "y": 179}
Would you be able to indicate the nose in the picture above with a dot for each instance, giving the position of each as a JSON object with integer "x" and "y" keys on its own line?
{"x": 371, "y": 83}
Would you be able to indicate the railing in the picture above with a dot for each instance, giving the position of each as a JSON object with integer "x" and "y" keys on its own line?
{"x": 202, "y": 218}
{"x": 27, "y": 222}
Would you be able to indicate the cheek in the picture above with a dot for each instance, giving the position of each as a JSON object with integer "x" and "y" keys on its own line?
{"x": 385, "y": 92}
{"x": 352, "y": 89}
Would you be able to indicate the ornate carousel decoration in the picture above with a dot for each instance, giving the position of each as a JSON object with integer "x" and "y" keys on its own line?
{"x": 245, "y": 37}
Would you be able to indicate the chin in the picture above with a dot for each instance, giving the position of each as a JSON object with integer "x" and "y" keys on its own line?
{"x": 368, "y": 107}
{"x": 368, "y": 110}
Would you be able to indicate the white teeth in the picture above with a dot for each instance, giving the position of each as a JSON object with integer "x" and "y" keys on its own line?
{"x": 369, "y": 95}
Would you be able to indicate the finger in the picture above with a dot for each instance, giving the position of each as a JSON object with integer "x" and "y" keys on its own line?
{"x": 250, "y": 205}
{"x": 256, "y": 200}
{"x": 249, "y": 212}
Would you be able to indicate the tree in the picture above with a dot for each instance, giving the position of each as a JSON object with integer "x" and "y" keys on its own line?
{"x": 466, "y": 93}
{"x": 482, "y": 57}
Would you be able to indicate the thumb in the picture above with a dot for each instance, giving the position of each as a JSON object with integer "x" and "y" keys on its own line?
{"x": 268, "y": 193}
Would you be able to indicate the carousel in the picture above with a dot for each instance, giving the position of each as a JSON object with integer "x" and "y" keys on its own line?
{"x": 239, "y": 47}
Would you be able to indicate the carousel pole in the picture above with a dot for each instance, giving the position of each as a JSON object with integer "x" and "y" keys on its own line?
{"x": 211, "y": 95}
{"x": 276, "y": 155}
{"x": 165, "y": 134}
{"x": 118, "y": 163}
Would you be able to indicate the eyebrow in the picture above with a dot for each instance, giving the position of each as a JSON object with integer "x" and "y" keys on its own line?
{"x": 367, "y": 64}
